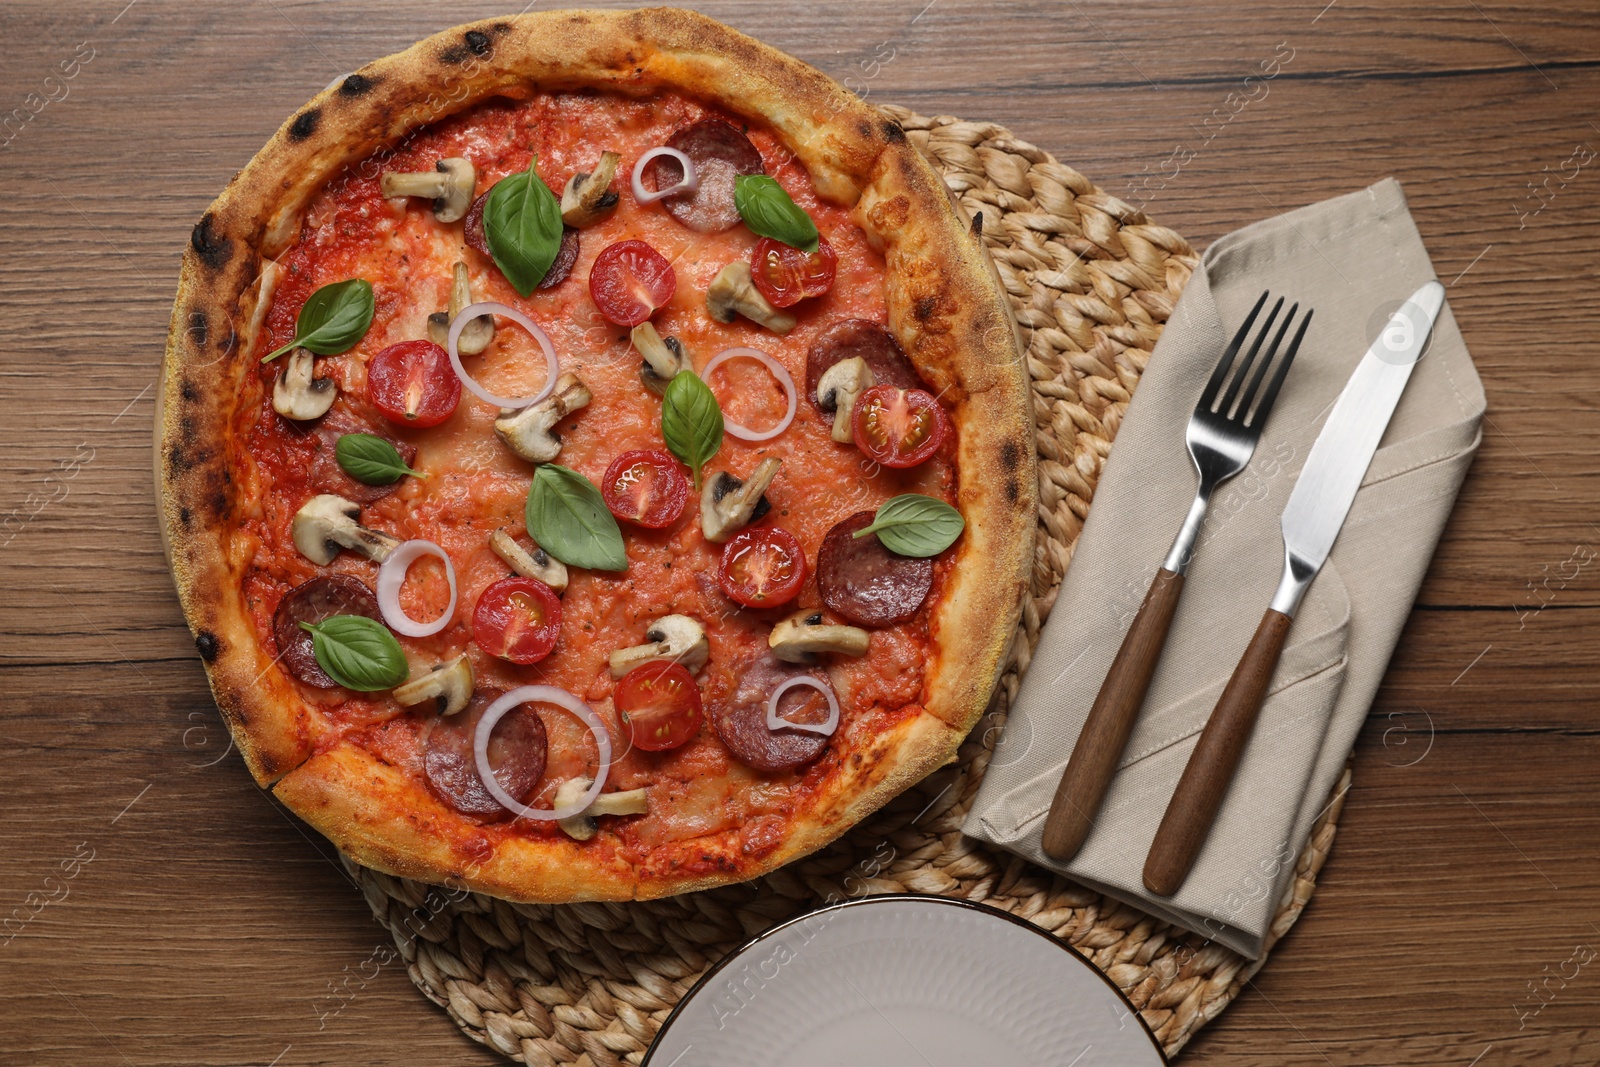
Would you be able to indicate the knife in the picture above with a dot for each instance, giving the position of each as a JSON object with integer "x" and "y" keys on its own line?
{"x": 1311, "y": 520}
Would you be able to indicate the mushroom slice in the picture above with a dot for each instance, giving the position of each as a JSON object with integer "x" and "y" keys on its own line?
{"x": 529, "y": 432}
{"x": 538, "y": 564}
{"x": 801, "y": 636}
{"x": 582, "y": 826}
{"x": 324, "y": 524}
{"x": 475, "y": 335}
{"x": 588, "y": 198}
{"x": 727, "y": 503}
{"x": 838, "y": 389}
{"x": 299, "y": 396}
{"x": 449, "y": 185}
{"x": 671, "y": 638}
{"x": 733, "y": 293}
{"x": 663, "y": 357}
{"x": 449, "y": 686}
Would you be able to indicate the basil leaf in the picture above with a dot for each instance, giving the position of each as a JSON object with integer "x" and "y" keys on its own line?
{"x": 691, "y": 421}
{"x": 569, "y": 519}
{"x": 371, "y": 460}
{"x": 770, "y": 212}
{"x": 332, "y": 319}
{"x": 522, "y": 222}
{"x": 358, "y": 653}
{"x": 915, "y": 525}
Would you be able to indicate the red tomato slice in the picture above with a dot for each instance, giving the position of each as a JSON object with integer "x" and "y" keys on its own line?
{"x": 645, "y": 487}
{"x": 413, "y": 384}
{"x": 660, "y": 705}
{"x": 629, "y": 280}
{"x": 517, "y": 619}
{"x": 762, "y": 567}
{"x": 785, "y": 275}
{"x": 898, "y": 427}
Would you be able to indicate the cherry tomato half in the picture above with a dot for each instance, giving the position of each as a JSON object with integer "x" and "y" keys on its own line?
{"x": 762, "y": 567}
{"x": 785, "y": 275}
{"x": 629, "y": 280}
{"x": 659, "y": 704}
{"x": 898, "y": 427}
{"x": 413, "y": 384}
{"x": 645, "y": 487}
{"x": 517, "y": 619}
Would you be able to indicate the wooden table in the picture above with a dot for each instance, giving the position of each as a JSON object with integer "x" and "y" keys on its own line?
{"x": 202, "y": 924}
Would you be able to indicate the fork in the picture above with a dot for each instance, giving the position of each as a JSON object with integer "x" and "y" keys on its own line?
{"x": 1222, "y": 436}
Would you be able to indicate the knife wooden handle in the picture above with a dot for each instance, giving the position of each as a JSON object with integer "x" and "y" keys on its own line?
{"x": 1216, "y": 755}
{"x": 1105, "y": 733}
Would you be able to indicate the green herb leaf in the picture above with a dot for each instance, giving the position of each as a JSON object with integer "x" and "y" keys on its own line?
{"x": 522, "y": 221}
{"x": 569, "y": 519}
{"x": 332, "y": 319}
{"x": 358, "y": 653}
{"x": 915, "y": 525}
{"x": 770, "y": 212}
{"x": 371, "y": 460}
{"x": 691, "y": 421}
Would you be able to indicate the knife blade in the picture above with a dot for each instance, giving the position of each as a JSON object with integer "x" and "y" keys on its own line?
{"x": 1311, "y": 521}
{"x": 1344, "y": 449}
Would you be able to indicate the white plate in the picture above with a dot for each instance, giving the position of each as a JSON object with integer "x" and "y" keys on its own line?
{"x": 904, "y": 981}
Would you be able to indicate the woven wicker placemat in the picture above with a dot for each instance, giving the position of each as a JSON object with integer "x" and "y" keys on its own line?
{"x": 1092, "y": 281}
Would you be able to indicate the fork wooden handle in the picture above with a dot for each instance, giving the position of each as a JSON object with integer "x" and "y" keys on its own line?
{"x": 1105, "y": 733}
{"x": 1216, "y": 756}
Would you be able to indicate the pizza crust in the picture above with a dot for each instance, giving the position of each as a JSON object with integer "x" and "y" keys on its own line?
{"x": 945, "y": 307}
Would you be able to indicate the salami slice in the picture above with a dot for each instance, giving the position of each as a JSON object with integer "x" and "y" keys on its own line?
{"x": 738, "y": 711}
{"x": 865, "y": 582}
{"x": 324, "y": 475}
{"x": 560, "y": 267}
{"x": 848, "y": 339}
{"x": 720, "y": 154}
{"x": 313, "y": 601}
{"x": 517, "y": 751}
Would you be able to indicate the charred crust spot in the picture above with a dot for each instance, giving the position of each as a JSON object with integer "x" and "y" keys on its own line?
{"x": 213, "y": 249}
{"x": 207, "y": 644}
{"x": 225, "y": 344}
{"x": 478, "y": 43}
{"x": 199, "y": 329}
{"x": 977, "y": 224}
{"x": 865, "y": 129}
{"x": 355, "y": 85}
{"x": 925, "y": 307}
{"x": 177, "y": 462}
{"x": 1013, "y": 490}
{"x": 184, "y": 517}
{"x": 500, "y": 29}
{"x": 188, "y": 391}
{"x": 453, "y": 54}
{"x": 1010, "y": 456}
{"x": 893, "y": 132}
{"x": 305, "y": 124}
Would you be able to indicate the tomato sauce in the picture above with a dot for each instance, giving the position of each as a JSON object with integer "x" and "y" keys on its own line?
{"x": 475, "y": 485}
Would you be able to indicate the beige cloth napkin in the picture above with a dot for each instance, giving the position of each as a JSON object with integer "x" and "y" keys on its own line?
{"x": 1354, "y": 259}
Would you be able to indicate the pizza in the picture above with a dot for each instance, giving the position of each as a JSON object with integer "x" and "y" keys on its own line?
{"x": 595, "y": 459}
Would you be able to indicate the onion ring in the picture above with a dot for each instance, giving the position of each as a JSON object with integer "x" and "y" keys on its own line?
{"x": 392, "y": 575}
{"x": 777, "y": 722}
{"x": 688, "y": 184}
{"x": 472, "y": 311}
{"x": 744, "y": 433}
{"x": 541, "y": 694}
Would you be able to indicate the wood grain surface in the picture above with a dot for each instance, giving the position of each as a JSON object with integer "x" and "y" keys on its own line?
{"x": 192, "y": 921}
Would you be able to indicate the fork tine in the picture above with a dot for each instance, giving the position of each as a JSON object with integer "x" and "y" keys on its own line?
{"x": 1221, "y": 373}
{"x": 1244, "y": 368}
{"x": 1266, "y": 364}
{"x": 1264, "y": 408}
